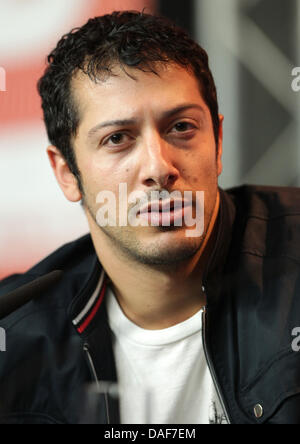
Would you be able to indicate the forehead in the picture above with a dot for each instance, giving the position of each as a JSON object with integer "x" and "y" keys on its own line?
{"x": 129, "y": 91}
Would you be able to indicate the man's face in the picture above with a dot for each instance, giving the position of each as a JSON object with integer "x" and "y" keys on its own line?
{"x": 154, "y": 133}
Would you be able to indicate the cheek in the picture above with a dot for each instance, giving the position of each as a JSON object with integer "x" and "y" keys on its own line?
{"x": 101, "y": 176}
{"x": 200, "y": 168}
{"x": 95, "y": 180}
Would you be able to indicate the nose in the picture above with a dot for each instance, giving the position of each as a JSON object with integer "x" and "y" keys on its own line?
{"x": 157, "y": 167}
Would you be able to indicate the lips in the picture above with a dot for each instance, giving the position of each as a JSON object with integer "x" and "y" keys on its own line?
{"x": 162, "y": 206}
{"x": 170, "y": 212}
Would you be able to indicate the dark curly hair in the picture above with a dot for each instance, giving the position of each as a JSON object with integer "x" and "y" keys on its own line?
{"x": 129, "y": 38}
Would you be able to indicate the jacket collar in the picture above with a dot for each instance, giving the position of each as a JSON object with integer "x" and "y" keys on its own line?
{"x": 88, "y": 301}
{"x": 218, "y": 258}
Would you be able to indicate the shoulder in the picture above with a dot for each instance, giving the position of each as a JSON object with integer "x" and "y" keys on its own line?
{"x": 268, "y": 220}
{"x": 75, "y": 263}
{"x": 43, "y": 358}
{"x": 266, "y": 201}
{"x": 71, "y": 259}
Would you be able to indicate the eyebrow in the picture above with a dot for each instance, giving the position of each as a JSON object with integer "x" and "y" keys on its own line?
{"x": 128, "y": 122}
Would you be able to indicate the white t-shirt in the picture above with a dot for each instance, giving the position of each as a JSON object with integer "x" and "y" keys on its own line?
{"x": 163, "y": 375}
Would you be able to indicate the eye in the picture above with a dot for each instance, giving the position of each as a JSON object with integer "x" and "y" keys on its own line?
{"x": 116, "y": 139}
{"x": 182, "y": 127}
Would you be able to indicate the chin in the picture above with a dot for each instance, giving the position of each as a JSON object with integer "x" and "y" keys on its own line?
{"x": 166, "y": 254}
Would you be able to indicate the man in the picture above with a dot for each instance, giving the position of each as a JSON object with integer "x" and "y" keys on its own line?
{"x": 193, "y": 321}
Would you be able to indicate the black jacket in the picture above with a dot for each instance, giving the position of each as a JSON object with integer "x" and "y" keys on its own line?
{"x": 61, "y": 341}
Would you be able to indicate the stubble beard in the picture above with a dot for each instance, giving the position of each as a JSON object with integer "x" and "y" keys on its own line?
{"x": 124, "y": 242}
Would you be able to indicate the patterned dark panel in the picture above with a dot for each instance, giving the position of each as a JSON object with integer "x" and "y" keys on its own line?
{"x": 278, "y": 20}
{"x": 262, "y": 119}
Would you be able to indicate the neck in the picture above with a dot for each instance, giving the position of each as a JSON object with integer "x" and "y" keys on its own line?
{"x": 157, "y": 297}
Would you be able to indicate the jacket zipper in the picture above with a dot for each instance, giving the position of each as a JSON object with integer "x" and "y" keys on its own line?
{"x": 94, "y": 374}
{"x": 210, "y": 365}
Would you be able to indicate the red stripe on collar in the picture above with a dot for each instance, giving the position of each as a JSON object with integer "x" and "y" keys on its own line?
{"x": 93, "y": 313}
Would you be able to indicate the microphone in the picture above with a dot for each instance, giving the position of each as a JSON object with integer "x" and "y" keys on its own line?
{"x": 16, "y": 298}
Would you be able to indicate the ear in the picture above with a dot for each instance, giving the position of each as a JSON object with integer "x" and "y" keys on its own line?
{"x": 65, "y": 178}
{"x": 220, "y": 146}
